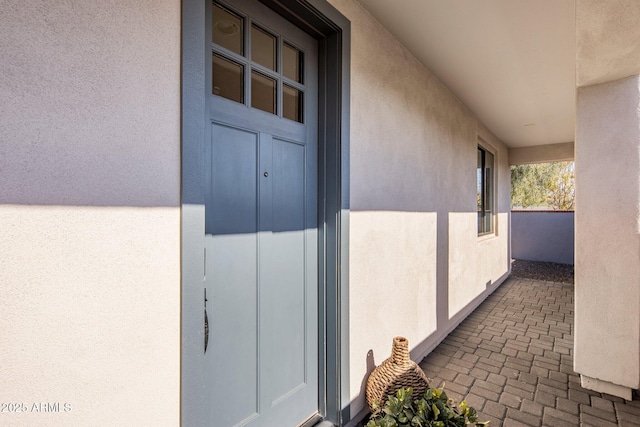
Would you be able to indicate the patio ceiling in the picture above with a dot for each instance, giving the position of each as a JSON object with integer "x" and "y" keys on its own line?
{"x": 512, "y": 62}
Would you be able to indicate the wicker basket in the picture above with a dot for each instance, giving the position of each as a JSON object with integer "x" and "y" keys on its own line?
{"x": 397, "y": 372}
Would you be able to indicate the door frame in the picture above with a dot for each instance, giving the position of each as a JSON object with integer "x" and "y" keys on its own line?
{"x": 332, "y": 30}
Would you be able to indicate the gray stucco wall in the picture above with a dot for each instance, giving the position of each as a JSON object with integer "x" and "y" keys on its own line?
{"x": 542, "y": 236}
{"x": 416, "y": 263}
{"x": 89, "y": 211}
{"x": 90, "y": 169}
{"x": 607, "y": 273}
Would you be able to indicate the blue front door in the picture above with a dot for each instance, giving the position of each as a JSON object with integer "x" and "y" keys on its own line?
{"x": 261, "y": 220}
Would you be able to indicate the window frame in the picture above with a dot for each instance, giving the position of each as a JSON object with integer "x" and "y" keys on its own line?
{"x": 487, "y": 196}
{"x": 252, "y": 68}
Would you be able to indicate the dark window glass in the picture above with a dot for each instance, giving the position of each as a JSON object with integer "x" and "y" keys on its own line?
{"x": 291, "y": 63}
{"x": 228, "y": 29}
{"x": 292, "y": 103}
{"x": 263, "y": 92}
{"x": 263, "y": 47}
{"x": 484, "y": 191}
{"x": 228, "y": 79}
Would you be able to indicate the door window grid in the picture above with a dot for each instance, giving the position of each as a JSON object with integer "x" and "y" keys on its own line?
{"x": 272, "y": 60}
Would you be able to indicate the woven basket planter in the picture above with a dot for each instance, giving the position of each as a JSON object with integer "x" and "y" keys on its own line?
{"x": 397, "y": 372}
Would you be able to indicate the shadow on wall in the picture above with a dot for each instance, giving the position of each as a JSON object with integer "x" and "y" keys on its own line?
{"x": 371, "y": 365}
{"x": 415, "y": 274}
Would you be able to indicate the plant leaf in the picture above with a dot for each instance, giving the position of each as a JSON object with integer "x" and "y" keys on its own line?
{"x": 436, "y": 411}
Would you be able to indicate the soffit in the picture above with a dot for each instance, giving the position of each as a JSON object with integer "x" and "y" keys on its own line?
{"x": 512, "y": 62}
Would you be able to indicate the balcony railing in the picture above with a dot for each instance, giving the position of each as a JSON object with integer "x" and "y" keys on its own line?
{"x": 543, "y": 236}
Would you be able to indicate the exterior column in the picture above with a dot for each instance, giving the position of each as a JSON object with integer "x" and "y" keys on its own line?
{"x": 607, "y": 241}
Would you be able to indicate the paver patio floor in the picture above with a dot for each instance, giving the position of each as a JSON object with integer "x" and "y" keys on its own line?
{"x": 512, "y": 359}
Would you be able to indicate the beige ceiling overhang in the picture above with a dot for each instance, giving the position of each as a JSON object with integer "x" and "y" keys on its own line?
{"x": 514, "y": 62}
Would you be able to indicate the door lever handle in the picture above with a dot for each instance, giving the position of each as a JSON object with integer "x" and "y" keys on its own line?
{"x": 206, "y": 322}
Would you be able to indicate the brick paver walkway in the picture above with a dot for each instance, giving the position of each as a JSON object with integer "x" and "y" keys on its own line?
{"x": 512, "y": 360}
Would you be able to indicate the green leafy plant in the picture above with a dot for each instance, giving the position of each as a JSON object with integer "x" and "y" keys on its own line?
{"x": 433, "y": 409}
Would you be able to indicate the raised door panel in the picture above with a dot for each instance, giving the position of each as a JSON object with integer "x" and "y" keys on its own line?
{"x": 284, "y": 289}
{"x": 232, "y": 272}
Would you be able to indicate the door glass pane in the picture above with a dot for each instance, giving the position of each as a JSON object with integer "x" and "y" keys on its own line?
{"x": 292, "y": 103}
{"x": 263, "y": 92}
{"x": 228, "y": 79}
{"x": 263, "y": 47}
{"x": 291, "y": 63}
{"x": 228, "y": 29}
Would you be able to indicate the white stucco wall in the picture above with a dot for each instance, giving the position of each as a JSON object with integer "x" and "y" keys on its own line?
{"x": 89, "y": 211}
{"x": 415, "y": 259}
{"x": 607, "y": 220}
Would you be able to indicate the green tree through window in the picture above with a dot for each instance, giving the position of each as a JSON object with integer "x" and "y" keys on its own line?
{"x": 543, "y": 186}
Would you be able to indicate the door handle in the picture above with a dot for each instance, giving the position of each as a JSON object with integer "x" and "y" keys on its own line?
{"x": 206, "y": 322}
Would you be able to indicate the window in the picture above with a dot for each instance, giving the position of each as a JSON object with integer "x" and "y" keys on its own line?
{"x": 485, "y": 191}
{"x": 258, "y": 68}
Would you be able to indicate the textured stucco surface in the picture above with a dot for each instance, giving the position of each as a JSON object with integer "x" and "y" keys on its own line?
{"x": 413, "y": 228}
{"x": 607, "y": 269}
{"x": 392, "y": 266}
{"x": 543, "y": 236}
{"x": 89, "y": 210}
{"x": 89, "y": 313}
{"x": 607, "y": 40}
{"x": 474, "y": 263}
{"x": 90, "y": 102}
{"x": 563, "y": 152}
